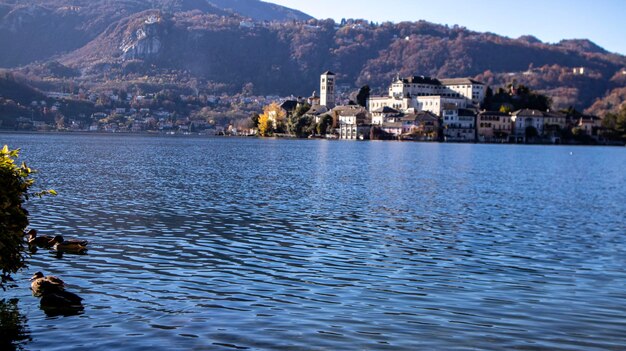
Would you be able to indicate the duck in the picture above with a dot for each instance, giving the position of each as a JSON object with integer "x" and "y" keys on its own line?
{"x": 70, "y": 246}
{"x": 38, "y": 241}
{"x": 55, "y": 300}
{"x": 45, "y": 284}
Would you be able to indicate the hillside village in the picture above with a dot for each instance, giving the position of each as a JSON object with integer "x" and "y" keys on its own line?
{"x": 451, "y": 109}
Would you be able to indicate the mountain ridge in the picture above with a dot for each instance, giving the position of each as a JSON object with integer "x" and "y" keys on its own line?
{"x": 221, "y": 50}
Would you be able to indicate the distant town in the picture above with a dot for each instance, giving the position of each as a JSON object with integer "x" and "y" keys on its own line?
{"x": 415, "y": 108}
{"x": 421, "y": 108}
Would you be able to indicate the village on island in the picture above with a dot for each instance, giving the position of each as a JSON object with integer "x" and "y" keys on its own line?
{"x": 427, "y": 109}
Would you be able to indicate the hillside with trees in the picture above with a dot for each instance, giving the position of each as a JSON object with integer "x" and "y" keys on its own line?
{"x": 202, "y": 47}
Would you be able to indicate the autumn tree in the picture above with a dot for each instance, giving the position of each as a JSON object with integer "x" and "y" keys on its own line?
{"x": 265, "y": 125}
{"x": 277, "y": 116}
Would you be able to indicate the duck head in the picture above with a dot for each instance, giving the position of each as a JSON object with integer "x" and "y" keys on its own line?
{"x": 37, "y": 276}
{"x": 57, "y": 239}
{"x": 32, "y": 234}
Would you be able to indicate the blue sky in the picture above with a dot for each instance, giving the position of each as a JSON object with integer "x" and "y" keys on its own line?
{"x": 601, "y": 21}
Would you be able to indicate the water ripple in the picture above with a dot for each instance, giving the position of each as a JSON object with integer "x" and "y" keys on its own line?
{"x": 279, "y": 245}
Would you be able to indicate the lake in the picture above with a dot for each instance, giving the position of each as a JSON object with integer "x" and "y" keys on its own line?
{"x": 250, "y": 244}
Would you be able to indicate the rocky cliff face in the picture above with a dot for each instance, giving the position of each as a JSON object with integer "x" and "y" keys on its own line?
{"x": 144, "y": 43}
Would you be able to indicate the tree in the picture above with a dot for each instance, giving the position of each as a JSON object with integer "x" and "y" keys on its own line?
{"x": 615, "y": 124}
{"x": 15, "y": 182}
{"x": 297, "y": 123}
{"x": 488, "y": 98}
{"x": 254, "y": 120}
{"x": 277, "y": 116}
{"x": 363, "y": 95}
{"x": 265, "y": 125}
{"x": 326, "y": 122}
{"x": 518, "y": 97}
{"x": 303, "y": 129}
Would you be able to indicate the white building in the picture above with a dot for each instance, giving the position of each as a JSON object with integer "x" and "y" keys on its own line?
{"x": 524, "y": 119}
{"x": 470, "y": 90}
{"x": 473, "y": 91}
{"x": 376, "y": 102}
{"x": 436, "y": 104}
{"x": 327, "y": 89}
{"x": 385, "y": 114}
{"x": 429, "y": 94}
{"x": 459, "y": 124}
{"x": 352, "y": 122}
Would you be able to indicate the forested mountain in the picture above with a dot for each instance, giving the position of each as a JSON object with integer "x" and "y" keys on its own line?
{"x": 226, "y": 46}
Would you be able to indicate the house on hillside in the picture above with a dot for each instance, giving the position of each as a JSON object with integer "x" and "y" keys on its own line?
{"x": 353, "y": 122}
{"x": 459, "y": 124}
{"x": 421, "y": 125}
{"x": 493, "y": 127}
{"x": 385, "y": 114}
{"x": 590, "y": 125}
{"x": 527, "y": 125}
{"x": 316, "y": 111}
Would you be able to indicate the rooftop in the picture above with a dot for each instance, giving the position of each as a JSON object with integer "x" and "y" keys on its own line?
{"x": 459, "y": 81}
{"x": 385, "y": 109}
{"x": 317, "y": 110}
{"x": 420, "y": 80}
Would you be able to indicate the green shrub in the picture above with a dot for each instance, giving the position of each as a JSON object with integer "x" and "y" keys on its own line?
{"x": 15, "y": 182}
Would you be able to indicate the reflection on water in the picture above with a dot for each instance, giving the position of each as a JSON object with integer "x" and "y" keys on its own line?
{"x": 280, "y": 245}
{"x": 14, "y": 333}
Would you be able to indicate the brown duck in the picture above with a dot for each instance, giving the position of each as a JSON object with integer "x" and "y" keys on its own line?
{"x": 39, "y": 241}
{"x": 70, "y": 246}
{"x": 41, "y": 284}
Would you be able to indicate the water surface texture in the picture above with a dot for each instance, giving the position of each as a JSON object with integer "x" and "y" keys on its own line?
{"x": 223, "y": 244}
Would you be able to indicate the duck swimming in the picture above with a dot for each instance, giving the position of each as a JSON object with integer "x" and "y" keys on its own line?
{"x": 70, "y": 246}
{"x": 41, "y": 284}
{"x": 55, "y": 300}
{"x": 39, "y": 241}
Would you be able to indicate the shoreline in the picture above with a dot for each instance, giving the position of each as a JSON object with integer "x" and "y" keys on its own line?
{"x": 200, "y": 135}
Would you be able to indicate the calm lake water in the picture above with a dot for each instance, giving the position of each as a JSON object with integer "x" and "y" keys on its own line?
{"x": 222, "y": 244}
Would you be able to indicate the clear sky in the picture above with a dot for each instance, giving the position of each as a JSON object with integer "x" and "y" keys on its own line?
{"x": 601, "y": 21}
